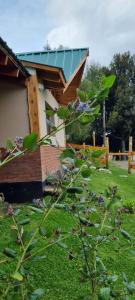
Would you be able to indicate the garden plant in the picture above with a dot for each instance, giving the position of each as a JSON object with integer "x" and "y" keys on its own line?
{"x": 97, "y": 218}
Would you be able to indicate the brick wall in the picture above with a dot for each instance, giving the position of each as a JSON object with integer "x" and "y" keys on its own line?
{"x": 33, "y": 166}
{"x": 22, "y": 169}
{"x": 49, "y": 160}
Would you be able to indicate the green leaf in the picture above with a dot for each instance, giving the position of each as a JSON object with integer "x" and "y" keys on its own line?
{"x": 75, "y": 190}
{"x": 63, "y": 112}
{"x": 62, "y": 245}
{"x": 84, "y": 97}
{"x": 42, "y": 231}
{"x": 9, "y": 144}
{"x": 37, "y": 294}
{"x": 24, "y": 222}
{"x": 104, "y": 293}
{"x": 10, "y": 252}
{"x": 17, "y": 211}
{"x": 46, "y": 141}
{"x": 39, "y": 258}
{"x": 96, "y": 109}
{"x": 68, "y": 152}
{"x": 17, "y": 276}
{"x": 101, "y": 264}
{"x": 86, "y": 118}
{"x": 36, "y": 209}
{"x": 60, "y": 206}
{"x": 47, "y": 200}
{"x": 30, "y": 142}
{"x": 108, "y": 81}
{"x": 103, "y": 94}
{"x": 32, "y": 245}
{"x": 49, "y": 112}
{"x": 97, "y": 153}
{"x": 91, "y": 94}
{"x": 78, "y": 162}
{"x": 125, "y": 234}
{"x": 86, "y": 222}
{"x": 86, "y": 172}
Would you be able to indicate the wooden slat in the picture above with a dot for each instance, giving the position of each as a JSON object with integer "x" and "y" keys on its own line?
{"x": 10, "y": 73}
{"x": 52, "y": 85}
{"x": 132, "y": 165}
{"x": 3, "y": 60}
{"x": 87, "y": 147}
{"x": 49, "y": 75}
{"x": 40, "y": 66}
{"x": 119, "y": 154}
{"x": 33, "y": 102}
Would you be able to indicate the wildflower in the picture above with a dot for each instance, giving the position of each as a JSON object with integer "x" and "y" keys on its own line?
{"x": 100, "y": 200}
{"x": 38, "y": 203}
{"x": 19, "y": 142}
{"x": 82, "y": 106}
{"x": 10, "y": 210}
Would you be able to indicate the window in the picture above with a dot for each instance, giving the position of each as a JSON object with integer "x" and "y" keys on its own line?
{"x": 50, "y": 121}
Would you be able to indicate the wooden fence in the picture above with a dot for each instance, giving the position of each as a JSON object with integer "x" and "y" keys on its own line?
{"x": 130, "y": 154}
{"x": 104, "y": 157}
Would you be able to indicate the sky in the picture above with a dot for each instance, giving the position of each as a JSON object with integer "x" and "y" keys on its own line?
{"x": 106, "y": 27}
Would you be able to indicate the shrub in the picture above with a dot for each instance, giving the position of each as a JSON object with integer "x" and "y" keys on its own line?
{"x": 130, "y": 205}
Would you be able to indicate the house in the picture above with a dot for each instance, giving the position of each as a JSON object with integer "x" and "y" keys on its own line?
{"x": 29, "y": 84}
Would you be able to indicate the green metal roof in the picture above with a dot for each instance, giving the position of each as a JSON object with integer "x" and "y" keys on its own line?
{"x": 68, "y": 60}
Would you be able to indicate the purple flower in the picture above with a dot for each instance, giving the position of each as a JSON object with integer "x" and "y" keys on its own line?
{"x": 38, "y": 203}
{"x": 100, "y": 200}
{"x": 10, "y": 210}
{"x": 82, "y": 106}
{"x": 19, "y": 142}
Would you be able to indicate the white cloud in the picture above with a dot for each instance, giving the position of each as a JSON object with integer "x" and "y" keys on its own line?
{"x": 105, "y": 26}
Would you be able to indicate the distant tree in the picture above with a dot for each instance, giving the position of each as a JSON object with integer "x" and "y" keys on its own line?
{"x": 92, "y": 78}
{"x": 121, "y": 119}
{"x": 77, "y": 133}
{"x": 60, "y": 47}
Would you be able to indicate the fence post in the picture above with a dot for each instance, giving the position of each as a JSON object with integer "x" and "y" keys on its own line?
{"x": 84, "y": 146}
{"x": 107, "y": 151}
{"x": 94, "y": 139}
{"x": 130, "y": 154}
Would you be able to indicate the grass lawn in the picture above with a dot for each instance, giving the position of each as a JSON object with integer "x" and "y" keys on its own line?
{"x": 56, "y": 274}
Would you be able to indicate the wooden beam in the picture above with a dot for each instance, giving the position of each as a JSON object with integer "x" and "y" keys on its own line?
{"x": 40, "y": 66}
{"x": 10, "y": 73}
{"x": 52, "y": 85}
{"x": 48, "y": 74}
{"x": 62, "y": 78}
{"x": 3, "y": 60}
{"x": 12, "y": 60}
{"x": 46, "y": 78}
{"x": 33, "y": 103}
{"x": 76, "y": 71}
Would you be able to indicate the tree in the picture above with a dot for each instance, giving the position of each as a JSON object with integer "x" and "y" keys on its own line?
{"x": 92, "y": 79}
{"x": 121, "y": 119}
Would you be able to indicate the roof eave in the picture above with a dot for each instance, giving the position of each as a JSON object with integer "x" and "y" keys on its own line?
{"x": 8, "y": 52}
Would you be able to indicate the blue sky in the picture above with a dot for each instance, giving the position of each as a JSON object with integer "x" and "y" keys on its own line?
{"x": 105, "y": 26}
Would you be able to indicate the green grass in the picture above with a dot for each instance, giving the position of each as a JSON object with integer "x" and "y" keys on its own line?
{"x": 126, "y": 185}
{"x": 56, "y": 274}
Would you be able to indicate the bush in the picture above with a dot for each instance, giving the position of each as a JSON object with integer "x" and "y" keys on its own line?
{"x": 130, "y": 205}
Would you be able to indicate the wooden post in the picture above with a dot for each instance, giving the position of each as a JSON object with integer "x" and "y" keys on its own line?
{"x": 94, "y": 140}
{"x": 33, "y": 103}
{"x": 83, "y": 146}
{"x": 130, "y": 154}
{"x": 107, "y": 151}
{"x": 104, "y": 124}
